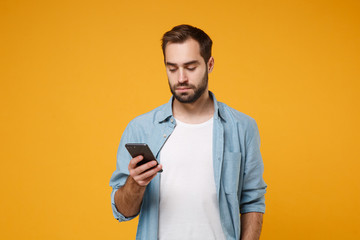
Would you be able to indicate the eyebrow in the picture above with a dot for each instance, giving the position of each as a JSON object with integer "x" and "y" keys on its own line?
{"x": 185, "y": 64}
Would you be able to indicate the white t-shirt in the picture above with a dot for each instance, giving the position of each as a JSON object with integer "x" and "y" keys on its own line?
{"x": 188, "y": 205}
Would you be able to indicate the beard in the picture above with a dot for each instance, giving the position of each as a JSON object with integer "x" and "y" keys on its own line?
{"x": 190, "y": 97}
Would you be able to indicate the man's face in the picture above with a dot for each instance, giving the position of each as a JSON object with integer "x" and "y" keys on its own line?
{"x": 186, "y": 70}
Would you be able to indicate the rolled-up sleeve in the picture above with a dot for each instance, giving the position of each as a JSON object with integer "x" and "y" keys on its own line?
{"x": 254, "y": 187}
{"x": 116, "y": 213}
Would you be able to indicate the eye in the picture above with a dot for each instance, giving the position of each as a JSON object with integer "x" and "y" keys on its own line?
{"x": 172, "y": 69}
{"x": 191, "y": 68}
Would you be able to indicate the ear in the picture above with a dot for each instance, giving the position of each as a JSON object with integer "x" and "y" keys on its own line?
{"x": 210, "y": 64}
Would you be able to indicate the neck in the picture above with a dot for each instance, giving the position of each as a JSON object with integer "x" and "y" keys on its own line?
{"x": 197, "y": 112}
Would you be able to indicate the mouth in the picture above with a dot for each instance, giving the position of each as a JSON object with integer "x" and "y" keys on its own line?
{"x": 183, "y": 89}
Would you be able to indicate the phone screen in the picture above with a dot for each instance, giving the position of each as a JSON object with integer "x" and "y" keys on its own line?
{"x": 136, "y": 149}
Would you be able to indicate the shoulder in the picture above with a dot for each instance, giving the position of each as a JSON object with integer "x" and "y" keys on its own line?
{"x": 236, "y": 121}
{"x": 149, "y": 117}
{"x": 233, "y": 116}
{"x": 143, "y": 125}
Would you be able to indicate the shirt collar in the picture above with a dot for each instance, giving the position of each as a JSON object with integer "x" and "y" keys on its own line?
{"x": 167, "y": 113}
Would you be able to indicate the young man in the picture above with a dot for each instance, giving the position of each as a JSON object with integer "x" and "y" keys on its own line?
{"x": 209, "y": 153}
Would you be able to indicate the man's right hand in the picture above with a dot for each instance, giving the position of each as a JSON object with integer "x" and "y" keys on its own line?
{"x": 128, "y": 198}
{"x": 143, "y": 174}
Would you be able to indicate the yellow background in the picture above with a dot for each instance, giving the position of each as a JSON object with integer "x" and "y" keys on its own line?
{"x": 74, "y": 73}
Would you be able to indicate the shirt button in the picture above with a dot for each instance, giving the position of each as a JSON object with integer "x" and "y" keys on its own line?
{"x": 171, "y": 120}
{"x": 164, "y": 135}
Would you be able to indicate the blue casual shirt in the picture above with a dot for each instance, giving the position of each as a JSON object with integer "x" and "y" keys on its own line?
{"x": 238, "y": 166}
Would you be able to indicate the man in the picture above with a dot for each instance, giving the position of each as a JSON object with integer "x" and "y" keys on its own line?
{"x": 209, "y": 153}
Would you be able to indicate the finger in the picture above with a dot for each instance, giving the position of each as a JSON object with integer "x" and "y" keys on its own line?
{"x": 145, "y": 178}
{"x": 147, "y": 174}
{"x": 135, "y": 161}
{"x": 144, "y": 167}
{"x": 146, "y": 181}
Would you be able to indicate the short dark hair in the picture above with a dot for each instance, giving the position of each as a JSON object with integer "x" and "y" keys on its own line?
{"x": 181, "y": 33}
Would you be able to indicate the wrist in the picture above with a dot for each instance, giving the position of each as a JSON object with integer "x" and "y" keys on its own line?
{"x": 134, "y": 186}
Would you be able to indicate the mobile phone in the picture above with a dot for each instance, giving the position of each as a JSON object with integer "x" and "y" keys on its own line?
{"x": 136, "y": 149}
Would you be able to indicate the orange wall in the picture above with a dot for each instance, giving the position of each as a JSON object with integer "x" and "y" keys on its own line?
{"x": 73, "y": 74}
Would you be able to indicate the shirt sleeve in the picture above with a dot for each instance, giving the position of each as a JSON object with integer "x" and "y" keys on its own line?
{"x": 254, "y": 187}
{"x": 121, "y": 173}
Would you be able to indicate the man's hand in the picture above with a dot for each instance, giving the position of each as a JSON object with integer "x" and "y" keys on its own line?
{"x": 141, "y": 174}
{"x": 128, "y": 198}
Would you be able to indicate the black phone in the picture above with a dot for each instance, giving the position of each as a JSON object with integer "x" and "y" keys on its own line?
{"x": 136, "y": 149}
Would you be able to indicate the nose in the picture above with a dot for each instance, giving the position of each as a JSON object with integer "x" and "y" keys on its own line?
{"x": 182, "y": 76}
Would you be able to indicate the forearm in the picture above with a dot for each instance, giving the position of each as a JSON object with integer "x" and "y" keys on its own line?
{"x": 251, "y": 224}
{"x": 128, "y": 198}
